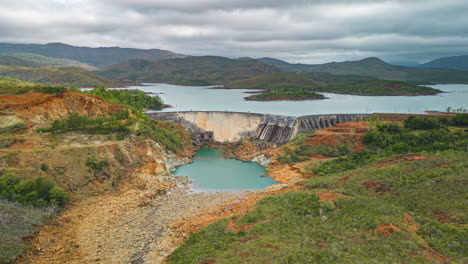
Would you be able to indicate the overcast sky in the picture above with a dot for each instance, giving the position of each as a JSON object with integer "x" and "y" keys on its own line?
{"x": 313, "y": 31}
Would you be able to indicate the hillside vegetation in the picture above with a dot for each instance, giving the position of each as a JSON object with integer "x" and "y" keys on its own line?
{"x": 49, "y": 61}
{"x": 375, "y": 206}
{"x": 98, "y": 57}
{"x": 341, "y": 84}
{"x": 376, "y": 68}
{"x": 205, "y": 70}
{"x": 52, "y": 75}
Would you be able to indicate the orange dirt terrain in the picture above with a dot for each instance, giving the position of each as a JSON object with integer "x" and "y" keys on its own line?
{"x": 42, "y": 109}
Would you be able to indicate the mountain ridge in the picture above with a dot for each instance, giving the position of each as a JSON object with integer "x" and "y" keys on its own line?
{"x": 459, "y": 62}
{"x": 99, "y": 57}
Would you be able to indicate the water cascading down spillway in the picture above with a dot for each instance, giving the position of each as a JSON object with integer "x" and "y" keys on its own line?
{"x": 276, "y": 129}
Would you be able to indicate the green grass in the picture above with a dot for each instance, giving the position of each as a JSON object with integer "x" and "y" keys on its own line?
{"x": 18, "y": 221}
{"x": 285, "y": 96}
{"x": 298, "y": 228}
{"x": 173, "y": 136}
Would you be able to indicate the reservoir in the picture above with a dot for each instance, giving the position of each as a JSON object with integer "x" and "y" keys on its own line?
{"x": 210, "y": 172}
{"x": 186, "y": 98}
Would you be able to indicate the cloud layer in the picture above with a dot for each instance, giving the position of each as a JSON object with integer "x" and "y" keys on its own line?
{"x": 308, "y": 31}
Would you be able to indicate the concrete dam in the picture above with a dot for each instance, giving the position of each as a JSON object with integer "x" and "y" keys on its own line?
{"x": 219, "y": 126}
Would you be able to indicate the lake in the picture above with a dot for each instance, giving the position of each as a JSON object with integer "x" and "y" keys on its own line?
{"x": 196, "y": 98}
{"x": 210, "y": 172}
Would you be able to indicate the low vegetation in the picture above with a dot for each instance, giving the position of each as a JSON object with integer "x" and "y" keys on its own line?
{"x": 40, "y": 192}
{"x": 174, "y": 137}
{"x": 25, "y": 205}
{"x": 15, "y": 86}
{"x": 133, "y": 99}
{"x": 120, "y": 124}
{"x": 387, "y": 209}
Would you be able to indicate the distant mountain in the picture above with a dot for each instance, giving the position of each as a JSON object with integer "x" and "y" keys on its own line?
{"x": 455, "y": 62}
{"x": 190, "y": 70}
{"x": 67, "y": 76}
{"x": 49, "y": 61}
{"x": 374, "y": 67}
{"x": 13, "y": 61}
{"x": 99, "y": 57}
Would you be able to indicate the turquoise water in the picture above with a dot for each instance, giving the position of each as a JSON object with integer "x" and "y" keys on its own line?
{"x": 209, "y": 172}
{"x": 186, "y": 98}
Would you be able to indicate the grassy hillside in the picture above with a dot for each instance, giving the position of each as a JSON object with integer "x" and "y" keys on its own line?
{"x": 207, "y": 69}
{"x": 13, "y": 61}
{"x": 67, "y": 76}
{"x": 388, "y": 209}
{"x": 49, "y": 61}
{"x": 374, "y": 67}
{"x": 455, "y": 62}
{"x": 98, "y": 57}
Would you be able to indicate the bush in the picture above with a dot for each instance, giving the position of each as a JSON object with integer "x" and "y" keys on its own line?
{"x": 460, "y": 120}
{"x": 13, "y": 128}
{"x": 40, "y": 192}
{"x": 133, "y": 99}
{"x": 415, "y": 122}
{"x": 44, "y": 167}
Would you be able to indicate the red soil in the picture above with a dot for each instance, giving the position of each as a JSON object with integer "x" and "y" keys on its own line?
{"x": 329, "y": 196}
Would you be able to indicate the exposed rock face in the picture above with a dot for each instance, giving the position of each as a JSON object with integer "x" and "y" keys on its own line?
{"x": 42, "y": 110}
{"x": 262, "y": 159}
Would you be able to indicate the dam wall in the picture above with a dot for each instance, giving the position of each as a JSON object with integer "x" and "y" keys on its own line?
{"x": 271, "y": 130}
{"x": 310, "y": 123}
{"x": 225, "y": 126}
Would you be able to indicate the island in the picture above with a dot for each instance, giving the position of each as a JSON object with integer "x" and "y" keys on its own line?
{"x": 278, "y": 96}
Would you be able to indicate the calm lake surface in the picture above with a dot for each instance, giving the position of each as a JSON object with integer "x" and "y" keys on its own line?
{"x": 209, "y": 172}
{"x": 186, "y": 98}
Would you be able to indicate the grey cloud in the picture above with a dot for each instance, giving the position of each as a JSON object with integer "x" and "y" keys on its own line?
{"x": 295, "y": 30}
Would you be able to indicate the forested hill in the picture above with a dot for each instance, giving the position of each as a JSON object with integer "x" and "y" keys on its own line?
{"x": 99, "y": 57}
{"x": 190, "y": 70}
{"x": 374, "y": 67}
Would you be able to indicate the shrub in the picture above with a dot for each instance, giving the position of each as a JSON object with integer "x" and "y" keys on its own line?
{"x": 460, "y": 120}
{"x": 40, "y": 192}
{"x": 44, "y": 167}
{"x": 134, "y": 99}
{"x": 415, "y": 122}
